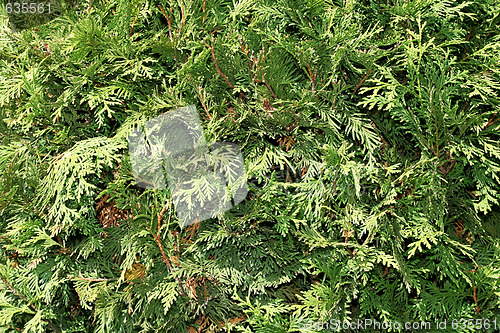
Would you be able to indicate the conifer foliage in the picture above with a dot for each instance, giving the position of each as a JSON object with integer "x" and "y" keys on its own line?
{"x": 370, "y": 135}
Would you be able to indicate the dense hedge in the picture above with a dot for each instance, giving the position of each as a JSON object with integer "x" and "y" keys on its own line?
{"x": 370, "y": 135}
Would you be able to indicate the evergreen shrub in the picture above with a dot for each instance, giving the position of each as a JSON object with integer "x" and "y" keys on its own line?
{"x": 370, "y": 135}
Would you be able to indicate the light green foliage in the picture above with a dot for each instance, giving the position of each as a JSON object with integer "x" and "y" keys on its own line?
{"x": 370, "y": 135}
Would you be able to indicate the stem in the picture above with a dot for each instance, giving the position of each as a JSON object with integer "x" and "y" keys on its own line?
{"x": 93, "y": 280}
{"x": 362, "y": 80}
{"x": 204, "y": 5}
{"x": 168, "y": 22}
{"x": 163, "y": 255}
{"x": 217, "y": 65}
{"x": 203, "y": 103}
{"x": 491, "y": 121}
{"x": 182, "y": 17}
{"x": 267, "y": 85}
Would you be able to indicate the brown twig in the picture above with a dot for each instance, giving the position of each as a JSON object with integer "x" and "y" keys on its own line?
{"x": 182, "y": 18}
{"x": 12, "y": 327}
{"x": 244, "y": 49}
{"x": 168, "y": 22}
{"x": 362, "y": 80}
{"x": 93, "y": 280}
{"x": 163, "y": 255}
{"x": 203, "y": 103}
{"x": 491, "y": 121}
{"x": 465, "y": 48}
{"x": 217, "y": 65}
{"x": 465, "y": 105}
{"x": 254, "y": 61}
{"x": 132, "y": 28}
{"x": 293, "y": 125}
{"x": 449, "y": 169}
{"x": 193, "y": 227}
{"x": 386, "y": 271}
{"x": 204, "y": 5}
{"x": 270, "y": 89}
{"x": 312, "y": 76}
{"x": 138, "y": 178}
{"x": 474, "y": 296}
{"x": 160, "y": 216}
{"x": 267, "y": 85}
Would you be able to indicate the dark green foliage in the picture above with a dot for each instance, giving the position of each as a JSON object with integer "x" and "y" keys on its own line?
{"x": 370, "y": 135}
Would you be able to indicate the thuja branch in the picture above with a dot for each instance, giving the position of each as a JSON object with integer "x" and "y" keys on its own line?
{"x": 18, "y": 294}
